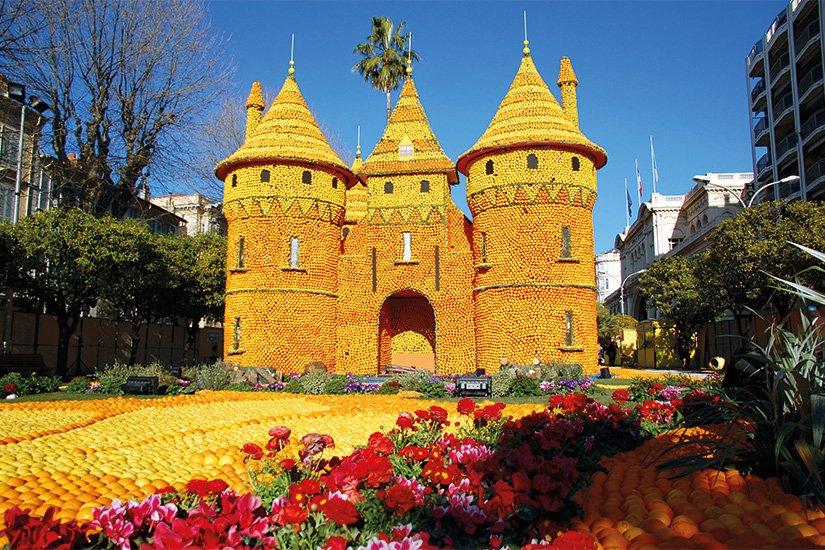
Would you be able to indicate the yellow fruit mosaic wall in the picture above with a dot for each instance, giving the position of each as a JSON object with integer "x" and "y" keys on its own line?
{"x": 358, "y": 268}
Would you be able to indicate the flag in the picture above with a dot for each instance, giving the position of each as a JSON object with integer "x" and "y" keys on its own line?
{"x": 653, "y": 162}
{"x": 639, "y": 179}
{"x": 629, "y": 204}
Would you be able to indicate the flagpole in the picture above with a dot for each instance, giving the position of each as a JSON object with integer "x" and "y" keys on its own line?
{"x": 639, "y": 183}
{"x": 654, "y": 172}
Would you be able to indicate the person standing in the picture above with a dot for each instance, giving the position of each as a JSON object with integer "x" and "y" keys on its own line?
{"x": 683, "y": 349}
{"x": 611, "y": 352}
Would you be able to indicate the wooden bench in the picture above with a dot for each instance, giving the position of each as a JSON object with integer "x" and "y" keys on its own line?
{"x": 24, "y": 363}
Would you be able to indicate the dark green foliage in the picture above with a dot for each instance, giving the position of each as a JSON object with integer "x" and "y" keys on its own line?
{"x": 524, "y": 385}
{"x": 111, "y": 385}
{"x": 239, "y": 386}
{"x": 294, "y": 386}
{"x": 555, "y": 370}
{"x": 78, "y": 384}
{"x": 335, "y": 384}
{"x": 30, "y": 385}
{"x": 434, "y": 389}
{"x": 389, "y": 388}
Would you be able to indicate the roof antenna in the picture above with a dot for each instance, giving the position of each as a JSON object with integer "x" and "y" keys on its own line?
{"x": 409, "y": 58}
{"x": 526, "y": 42}
{"x": 358, "y": 151}
{"x": 292, "y": 57}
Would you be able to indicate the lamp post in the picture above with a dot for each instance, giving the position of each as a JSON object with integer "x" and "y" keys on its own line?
{"x": 705, "y": 180}
{"x": 621, "y": 287}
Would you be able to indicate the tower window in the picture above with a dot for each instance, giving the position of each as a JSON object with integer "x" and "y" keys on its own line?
{"x": 568, "y": 328}
{"x": 405, "y": 151}
{"x": 565, "y": 241}
{"x": 306, "y": 177}
{"x": 388, "y": 188}
{"x": 575, "y": 163}
{"x": 294, "y": 247}
{"x": 532, "y": 162}
{"x": 264, "y": 176}
{"x": 489, "y": 167}
{"x": 483, "y": 247}
{"x": 406, "y": 255}
{"x": 236, "y": 340}
{"x": 234, "y": 180}
{"x": 335, "y": 183}
{"x": 241, "y": 252}
{"x": 425, "y": 186}
{"x": 344, "y": 232}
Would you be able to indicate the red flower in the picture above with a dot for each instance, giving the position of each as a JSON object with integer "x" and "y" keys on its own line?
{"x": 405, "y": 421}
{"x": 335, "y": 543}
{"x": 620, "y": 396}
{"x": 466, "y": 406}
{"x": 573, "y": 540}
{"x": 280, "y": 432}
{"x": 198, "y": 486}
{"x": 555, "y": 401}
{"x": 217, "y": 486}
{"x": 381, "y": 444}
{"x": 575, "y": 401}
{"x": 341, "y": 511}
{"x": 399, "y": 499}
{"x": 291, "y": 513}
{"x": 438, "y": 414}
{"x": 254, "y": 451}
{"x": 287, "y": 464}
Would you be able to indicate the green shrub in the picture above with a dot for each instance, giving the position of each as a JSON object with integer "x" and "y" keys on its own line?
{"x": 239, "y": 386}
{"x": 313, "y": 383}
{"x": 414, "y": 381}
{"x": 111, "y": 385}
{"x": 23, "y": 385}
{"x": 523, "y": 386}
{"x": 294, "y": 386}
{"x": 555, "y": 370}
{"x": 78, "y": 384}
{"x": 46, "y": 384}
{"x": 501, "y": 382}
{"x": 335, "y": 384}
{"x": 389, "y": 388}
{"x": 434, "y": 389}
{"x": 215, "y": 377}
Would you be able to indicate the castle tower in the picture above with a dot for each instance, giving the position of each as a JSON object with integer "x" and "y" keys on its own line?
{"x": 531, "y": 187}
{"x": 284, "y": 196}
{"x": 408, "y": 298}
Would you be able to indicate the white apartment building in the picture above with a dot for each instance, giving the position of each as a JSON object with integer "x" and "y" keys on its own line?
{"x": 608, "y": 273}
{"x": 202, "y": 214}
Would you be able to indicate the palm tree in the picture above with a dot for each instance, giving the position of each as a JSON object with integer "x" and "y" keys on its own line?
{"x": 385, "y": 57}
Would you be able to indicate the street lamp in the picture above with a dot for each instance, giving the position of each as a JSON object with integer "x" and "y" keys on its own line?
{"x": 621, "y": 287}
{"x": 706, "y": 180}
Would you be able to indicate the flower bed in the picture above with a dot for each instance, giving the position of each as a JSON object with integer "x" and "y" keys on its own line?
{"x": 425, "y": 478}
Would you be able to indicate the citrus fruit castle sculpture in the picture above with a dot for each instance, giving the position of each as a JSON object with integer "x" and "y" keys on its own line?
{"x": 371, "y": 265}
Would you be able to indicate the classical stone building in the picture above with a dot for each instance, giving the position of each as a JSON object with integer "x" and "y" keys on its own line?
{"x": 373, "y": 265}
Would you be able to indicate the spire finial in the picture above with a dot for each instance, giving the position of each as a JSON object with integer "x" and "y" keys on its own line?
{"x": 292, "y": 57}
{"x": 526, "y": 50}
{"x": 358, "y": 151}
{"x": 409, "y": 58}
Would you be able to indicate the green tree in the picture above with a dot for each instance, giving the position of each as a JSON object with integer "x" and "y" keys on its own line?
{"x": 675, "y": 286}
{"x": 385, "y": 57}
{"x": 745, "y": 248}
{"x": 197, "y": 267}
{"x": 610, "y": 325}
{"x": 66, "y": 256}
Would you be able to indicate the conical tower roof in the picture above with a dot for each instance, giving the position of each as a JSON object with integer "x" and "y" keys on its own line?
{"x": 287, "y": 132}
{"x": 408, "y": 119}
{"x": 530, "y": 115}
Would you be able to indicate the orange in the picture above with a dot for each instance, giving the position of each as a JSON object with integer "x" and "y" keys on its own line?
{"x": 614, "y": 541}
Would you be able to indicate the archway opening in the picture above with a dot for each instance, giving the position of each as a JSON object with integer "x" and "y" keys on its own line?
{"x": 406, "y": 332}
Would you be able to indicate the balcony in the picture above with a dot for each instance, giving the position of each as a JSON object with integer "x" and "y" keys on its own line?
{"x": 812, "y": 76}
{"x": 785, "y": 145}
{"x": 781, "y": 106}
{"x": 756, "y": 52}
{"x": 788, "y": 189}
{"x": 814, "y": 172}
{"x": 779, "y": 64}
{"x": 758, "y": 90}
{"x": 760, "y": 127}
{"x": 763, "y": 163}
{"x": 814, "y": 122}
{"x": 806, "y": 37}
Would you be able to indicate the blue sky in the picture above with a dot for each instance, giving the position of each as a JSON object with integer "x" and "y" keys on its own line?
{"x": 671, "y": 69}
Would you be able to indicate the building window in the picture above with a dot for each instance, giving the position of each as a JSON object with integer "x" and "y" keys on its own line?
{"x": 425, "y": 186}
{"x": 234, "y": 180}
{"x": 236, "y": 340}
{"x": 568, "y": 328}
{"x": 532, "y": 162}
{"x": 344, "y": 232}
{"x": 241, "y": 253}
{"x": 674, "y": 243}
{"x": 335, "y": 183}
{"x": 294, "y": 247}
{"x": 405, "y": 150}
{"x": 264, "y": 176}
{"x": 406, "y": 255}
{"x": 306, "y": 177}
{"x": 6, "y": 202}
{"x": 489, "y": 167}
{"x": 9, "y": 146}
{"x": 483, "y": 247}
{"x": 388, "y": 188}
{"x": 566, "y": 245}
{"x": 575, "y": 164}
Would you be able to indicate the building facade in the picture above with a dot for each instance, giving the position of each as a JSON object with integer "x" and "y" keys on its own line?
{"x": 365, "y": 266}
{"x": 25, "y": 187}
{"x": 674, "y": 225}
{"x": 202, "y": 214}
{"x": 608, "y": 273}
{"x": 787, "y": 104}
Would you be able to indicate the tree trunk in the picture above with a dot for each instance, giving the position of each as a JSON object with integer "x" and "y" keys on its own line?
{"x": 191, "y": 333}
{"x": 66, "y": 327}
{"x": 389, "y": 106}
{"x": 134, "y": 344}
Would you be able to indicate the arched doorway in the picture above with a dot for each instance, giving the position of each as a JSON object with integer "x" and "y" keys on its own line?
{"x": 407, "y": 331}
